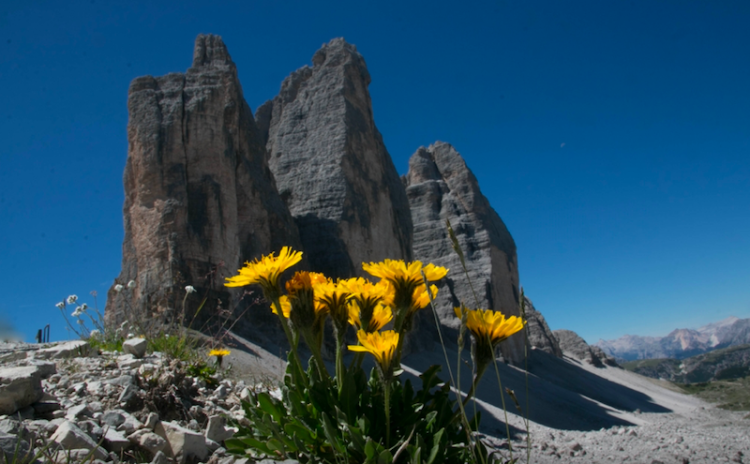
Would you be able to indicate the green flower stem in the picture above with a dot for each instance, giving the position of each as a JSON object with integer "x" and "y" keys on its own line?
{"x": 310, "y": 339}
{"x": 505, "y": 410}
{"x": 340, "y": 370}
{"x": 480, "y": 372}
{"x": 401, "y": 330}
{"x": 289, "y": 336}
{"x": 387, "y": 395}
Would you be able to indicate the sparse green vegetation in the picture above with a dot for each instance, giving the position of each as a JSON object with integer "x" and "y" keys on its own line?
{"x": 733, "y": 395}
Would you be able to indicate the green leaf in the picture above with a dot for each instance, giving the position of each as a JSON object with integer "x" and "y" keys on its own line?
{"x": 357, "y": 440}
{"x": 275, "y": 444}
{"x": 436, "y": 446}
{"x": 250, "y": 442}
{"x": 416, "y": 457}
{"x": 430, "y": 419}
{"x": 370, "y": 450}
{"x": 302, "y": 432}
{"x": 331, "y": 433}
{"x": 385, "y": 457}
{"x": 267, "y": 405}
{"x": 430, "y": 378}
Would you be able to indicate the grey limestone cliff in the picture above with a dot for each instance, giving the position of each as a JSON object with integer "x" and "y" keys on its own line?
{"x": 331, "y": 166}
{"x": 199, "y": 196}
{"x": 441, "y": 187}
{"x": 540, "y": 336}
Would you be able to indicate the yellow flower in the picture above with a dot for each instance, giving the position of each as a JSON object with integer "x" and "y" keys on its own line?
{"x": 399, "y": 273}
{"x": 266, "y": 271}
{"x": 490, "y": 326}
{"x": 422, "y": 297}
{"x": 218, "y": 352}
{"x": 381, "y": 315}
{"x": 405, "y": 279}
{"x": 382, "y": 345}
{"x": 331, "y": 297}
{"x": 365, "y": 291}
{"x": 286, "y": 306}
{"x": 304, "y": 280}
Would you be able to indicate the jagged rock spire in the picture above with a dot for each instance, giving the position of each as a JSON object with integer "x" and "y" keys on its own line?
{"x": 210, "y": 51}
{"x": 331, "y": 166}
{"x": 199, "y": 197}
{"x": 441, "y": 187}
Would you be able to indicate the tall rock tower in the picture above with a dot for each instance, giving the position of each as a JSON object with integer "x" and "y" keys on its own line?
{"x": 440, "y": 186}
{"x": 199, "y": 196}
{"x": 331, "y": 166}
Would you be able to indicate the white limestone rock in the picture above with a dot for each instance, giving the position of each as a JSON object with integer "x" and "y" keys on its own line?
{"x": 69, "y": 436}
{"x": 183, "y": 443}
{"x": 19, "y": 388}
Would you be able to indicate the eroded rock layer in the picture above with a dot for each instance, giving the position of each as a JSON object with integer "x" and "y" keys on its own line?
{"x": 199, "y": 197}
{"x": 441, "y": 187}
{"x": 331, "y": 166}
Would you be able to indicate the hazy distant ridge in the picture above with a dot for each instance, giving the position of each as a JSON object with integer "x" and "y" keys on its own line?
{"x": 680, "y": 343}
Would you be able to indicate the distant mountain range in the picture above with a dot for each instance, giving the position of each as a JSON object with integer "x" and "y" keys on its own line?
{"x": 680, "y": 343}
{"x": 720, "y": 364}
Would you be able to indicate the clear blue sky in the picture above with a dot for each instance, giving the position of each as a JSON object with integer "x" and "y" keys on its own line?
{"x": 613, "y": 138}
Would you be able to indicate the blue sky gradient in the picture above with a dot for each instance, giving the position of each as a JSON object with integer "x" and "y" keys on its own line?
{"x": 613, "y": 138}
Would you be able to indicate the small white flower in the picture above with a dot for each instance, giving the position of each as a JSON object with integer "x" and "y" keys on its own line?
{"x": 80, "y": 321}
{"x": 72, "y": 299}
{"x": 61, "y": 305}
{"x": 84, "y": 307}
{"x": 118, "y": 288}
{"x": 77, "y": 312}
{"x": 131, "y": 284}
{"x": 94, "y": 334}
{"x": 189, "y": 289}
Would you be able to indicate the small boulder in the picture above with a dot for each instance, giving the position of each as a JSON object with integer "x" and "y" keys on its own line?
{"x": 70, "y": 437}
{"x": 115, "y": 441}
{"x": 148, "y": 440}
{"x": 217, "y": 430}
{"x": 135, "y": 346}
{"x": 19, "y": 388}
{"x": 183, "y": 444}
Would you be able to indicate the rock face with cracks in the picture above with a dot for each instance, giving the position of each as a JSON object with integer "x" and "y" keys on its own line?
{"x": 441, "y": 187}
{"x": 540, "y": 336}
{"x": 199, "y": 197}
{"x": 331, "y": 166}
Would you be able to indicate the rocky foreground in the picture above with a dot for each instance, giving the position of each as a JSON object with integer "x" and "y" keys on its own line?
{"x": 65, "y": 403}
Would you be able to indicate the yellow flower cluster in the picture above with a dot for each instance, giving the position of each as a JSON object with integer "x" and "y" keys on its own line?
{"x": 367, "y": 306}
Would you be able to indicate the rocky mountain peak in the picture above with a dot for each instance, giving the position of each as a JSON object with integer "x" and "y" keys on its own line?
{"x": 199, "y": 196}
{"x": 441, "y": 187}
{"x": 331, "y": 166}
{"x": 210, "y": 51}
{"x": 339, "y": 52}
